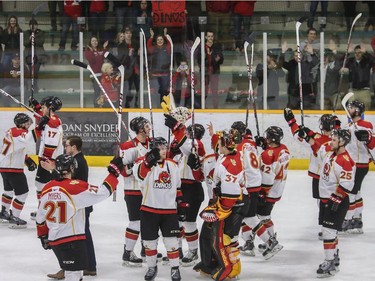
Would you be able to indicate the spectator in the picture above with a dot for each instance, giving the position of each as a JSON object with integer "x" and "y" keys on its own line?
{"x": 371, "y": 17}
{"x": 111, "y": 83}
{"x": 39, "y": 52}
{"x": 359, "y": 69}
{"x": 350, "y": 13}
{"x": 143, "y": 10}
{"x": 52, "y": 8}
{"x": 242, "y": 13}
{"x": 311, "y": 39}
{"x": 181, "y": 83}
{"x": 11, "y": 39}
{"x": 219, "y": 21}
{"x": 213, "y": 59}
{"x": 97, "y": 17}
{"x": 95, "y": 58}
{"x": 125, "y": 14}
{"x": 120, "y": 37}
{"x": 331, "y": 76}
{"x": 12, "y": 79}
{"x": 72, "y": 10}
{"x": 313, "y": 7}
{"x": 128, "y": 54}
{"x": 274, "y": 72}
{"x": 160, "y": 56}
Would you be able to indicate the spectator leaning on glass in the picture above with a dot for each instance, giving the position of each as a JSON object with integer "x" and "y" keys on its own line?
{"x": 359, "y": 68}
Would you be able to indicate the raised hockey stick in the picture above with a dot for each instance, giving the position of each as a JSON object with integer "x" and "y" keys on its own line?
{"x": 343, "y": 103}
{"x": 171, "y": 97}
{"x": 298, "y": 25}
{"x": 20, "y": 103}
{"x": 120, "y": 67}
{"x": 344, "y": 62}
{"x": 192, "y": 77}
{"x": 148, "y": 84}
{"x": 250, "y": 41}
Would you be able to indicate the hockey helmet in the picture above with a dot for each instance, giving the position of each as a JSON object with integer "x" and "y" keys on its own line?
{"x": 181, "y": 114}
{"x": 360, "y": 106}
{"x": 65, "y": 164}
{"x": 198, "y": 131}
{"x": 54, "y": 103}
{"x": 239, "y": 126}
{"x": 138, "y": 123}
{"x": 273, "y": 134}
{"x": 21, "y": 118}
{"x": 327, "y": 122}
{"x": 343, "y": 135}
{"x": 158, "y": 141}
{"x": 229, "y": 139}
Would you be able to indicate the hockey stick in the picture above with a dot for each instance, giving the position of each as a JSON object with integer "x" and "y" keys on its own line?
{"x": 172, "y": 102}
{"x": 148, "y": 83}
{"x": 298, "y": 25}
{"x": 192, "y": 77}
{"x": 120, "y": 67}
{"x": 343, "y": 103}
{"x": 20, "y": 103}
{"x": 344, "y": 62}
{"x": 250, "y": 41}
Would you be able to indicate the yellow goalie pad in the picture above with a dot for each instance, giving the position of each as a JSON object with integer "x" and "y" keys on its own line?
{"x": 233, "y": 253}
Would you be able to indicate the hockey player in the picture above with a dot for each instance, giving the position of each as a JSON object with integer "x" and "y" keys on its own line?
{"x": 359, "y": 151}
{"x": 12, "y": 160}
{"x": 160, "y": 182}
{"x": 130, "y": 151}
{"x": 51, "y": 144}
{"x": 221, "y": 213}
{"x": 60, "y": 218}
{"x": 334, "y": 200}
{"x": 274, "y": 169}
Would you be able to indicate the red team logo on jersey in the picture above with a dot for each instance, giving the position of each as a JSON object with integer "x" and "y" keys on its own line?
{"x": 326, "y": 170}
{"x": 164, "y": 181}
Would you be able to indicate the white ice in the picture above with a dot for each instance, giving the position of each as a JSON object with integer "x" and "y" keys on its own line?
{"x": 295, "y": 217}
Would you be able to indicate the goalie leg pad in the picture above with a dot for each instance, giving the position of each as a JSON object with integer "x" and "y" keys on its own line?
{"x": 220, "y": 239}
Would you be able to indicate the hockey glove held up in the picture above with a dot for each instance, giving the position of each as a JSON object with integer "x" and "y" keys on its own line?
{"x": 45, "y": 242}
{"x": 193, "y": 161}
{"x": 336, "y": 201}
{"x": 170, "y": 122}
{"x": 116, "y": 166}
{"x": 31, "y": 165}
{"x": 261, "y": 142}
{"x": 34, "y": 104}
{"x": 305, "y": 133}
{"x": 363, "y": 135}
{"x": 42, "y": 123}
{"x": 152, "y": 157}
{"x": 289, "y": 116}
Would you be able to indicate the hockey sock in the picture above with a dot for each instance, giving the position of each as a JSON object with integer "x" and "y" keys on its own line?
{"x": 7, "y": 198}
{"x": 18, "y": 203}
{"x": 171, "y": 244}
{"x": 151, "y": 252}
{"x": 131, "y": 235}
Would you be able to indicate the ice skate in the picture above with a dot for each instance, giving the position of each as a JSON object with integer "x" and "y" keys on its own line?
{"x": 130, "y": 259}
{"x": 356, "y": 226}
{"x": 175, "y": 274}
{"x": 190, "y": 258}
{"x": 248, "y": 248}
{"x": 346, "y": 226}
{"x": 273, "y": 247}
{"x": 262, "y": 247}
{"x": 326, "y": 269}
{"x": 151, "y": 273}
{"x": 15, "y": 222}
{"x": 4, "y": 215}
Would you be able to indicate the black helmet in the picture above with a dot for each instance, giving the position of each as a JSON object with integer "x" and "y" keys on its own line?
{"x": 343, "y": 135}
{"x": 327, "y": 122}
{"x": 21, "y": 118}
{"x": 138, "y": 123}
{"x": 274, "y": 134}
{"x": 52, "y": 102}
{"x": 239, "y": 126}
{"x": 198, "y": 131}
{"x": 360, "y": 106}
{"x": 156, "y": 142}
{"x": 65, "y": 163}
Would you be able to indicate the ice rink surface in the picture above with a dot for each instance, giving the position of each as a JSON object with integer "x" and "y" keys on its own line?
{"x": 295, "y": 217}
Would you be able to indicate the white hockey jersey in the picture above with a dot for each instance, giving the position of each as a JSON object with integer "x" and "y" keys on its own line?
{"x": 160, "y": 186}
{"x": 208, "y": 168}
{"x": 61, "y": 213}
{"x": 51, "y": 143}
{"x": 13, "y": 151}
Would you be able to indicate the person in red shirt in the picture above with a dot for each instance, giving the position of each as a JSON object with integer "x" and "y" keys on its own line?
{"x": 111, "y": 82}
{"x": 72, "y": 10}
{"x": 241, "y": 17}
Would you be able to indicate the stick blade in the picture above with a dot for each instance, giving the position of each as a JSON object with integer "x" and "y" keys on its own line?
{"x": 302, "y": 19}
{"x": 346, "y": 98}
{"x": 112, "y": 59}
{"x": 251, "y": 38}
{"x": 196, "y": 43}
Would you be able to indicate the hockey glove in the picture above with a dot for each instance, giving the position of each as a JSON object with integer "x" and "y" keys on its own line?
{"x": 261, "y": 142}
{"x": 335, "y": 200}
{"x": 42, "y": 123}
{"x": 305, "y": 133}
{"x": 193, "y": 161}
{"x": 152, "y": 157}
{"x": 33, "y": 103}
{"x": 31, "y": 165}
{"x": 129, "y": 169}
{"x": 45, "y": 242}
{"x": 170, "y": 122}
{"x": 181, "y": 210}
{"x": 289, "y": 116}
{"x": 363, "y": 135}
{"x": 116, "y": 166}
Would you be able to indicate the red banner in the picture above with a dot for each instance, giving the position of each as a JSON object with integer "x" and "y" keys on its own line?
{"x": 169, "y": 13}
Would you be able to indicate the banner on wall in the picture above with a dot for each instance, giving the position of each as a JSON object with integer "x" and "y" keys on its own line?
{"x": 169, "y": 13}
{"x": 97, "y": 130}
